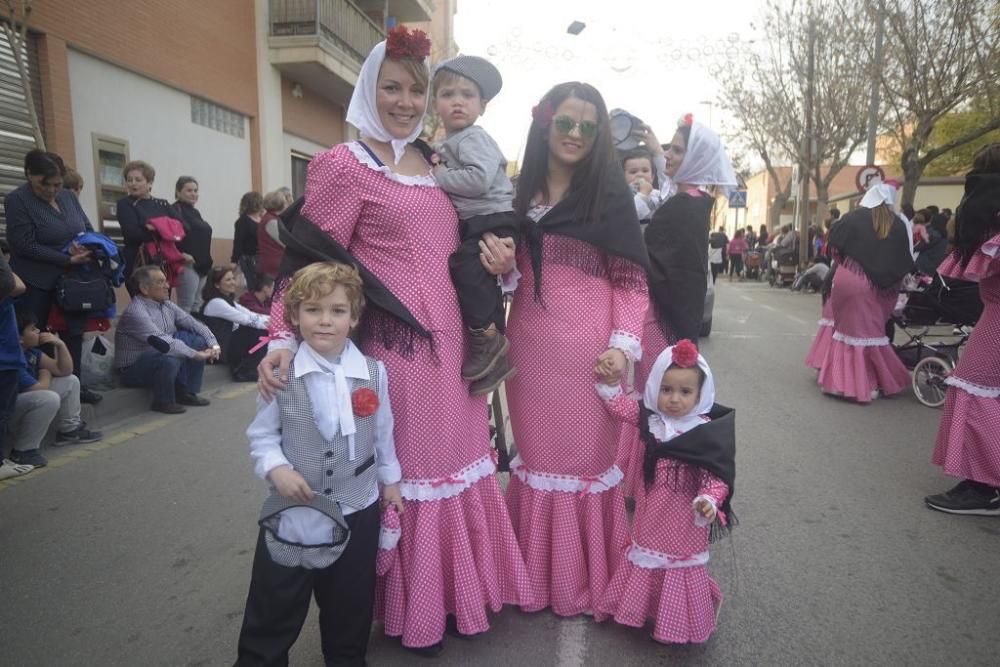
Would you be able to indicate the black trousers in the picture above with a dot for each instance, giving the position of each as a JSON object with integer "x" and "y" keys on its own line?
{"x": 39, "y": 301}
{"x": 479, "y": 297}
{"x": 278, "y": 602}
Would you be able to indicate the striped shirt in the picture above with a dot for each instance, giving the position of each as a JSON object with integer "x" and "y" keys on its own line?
{"x": 144, "y": 318}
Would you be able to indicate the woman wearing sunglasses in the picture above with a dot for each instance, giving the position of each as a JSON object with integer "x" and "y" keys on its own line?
{"x": 576, "y": 317}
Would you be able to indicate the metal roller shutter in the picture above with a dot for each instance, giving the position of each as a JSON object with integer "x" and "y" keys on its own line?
{"x": 16, "y": 136}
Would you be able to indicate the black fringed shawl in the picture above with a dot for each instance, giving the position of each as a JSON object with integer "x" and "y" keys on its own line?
{"x": 615, "y": 232}
{"x": 386, "y": 319}
{"x": 710, "y": 447}
{"x": 884, "y": 261}
{"x": 677, "y": 240}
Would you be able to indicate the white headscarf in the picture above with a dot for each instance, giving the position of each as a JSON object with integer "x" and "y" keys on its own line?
{"x": 880, "y": 193}
{"x": 661, "y": 426}
{"x": 362, "y": 112}
{"x": 705, "y": 163}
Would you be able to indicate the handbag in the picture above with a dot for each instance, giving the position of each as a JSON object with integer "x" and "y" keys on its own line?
{"x": 83, "y": 292}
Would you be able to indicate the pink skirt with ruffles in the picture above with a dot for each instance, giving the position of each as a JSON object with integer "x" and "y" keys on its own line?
{"x": 570, "y": 542}
{"x": 824, "y": 338}
{"x": 457, "y": 556}
{"x": 683, "y": 602}
{"x": 860, "y": 359}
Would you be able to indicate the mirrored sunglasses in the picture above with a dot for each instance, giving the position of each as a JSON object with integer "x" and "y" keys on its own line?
{"x": 564, "y": 125}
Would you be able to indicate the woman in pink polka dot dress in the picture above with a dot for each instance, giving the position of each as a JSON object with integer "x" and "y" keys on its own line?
{"x": 968, "y": 441}
{"x": 578, "y": 308}
{"x": 457, "y": 555}
{"x": 824, "y": 336}
{"x": 688, "y": 472}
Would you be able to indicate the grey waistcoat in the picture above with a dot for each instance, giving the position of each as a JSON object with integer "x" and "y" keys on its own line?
{"x": 324, "y": 463}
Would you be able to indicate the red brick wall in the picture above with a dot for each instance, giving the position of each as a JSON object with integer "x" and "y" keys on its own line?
{"x": 311, "y": 116}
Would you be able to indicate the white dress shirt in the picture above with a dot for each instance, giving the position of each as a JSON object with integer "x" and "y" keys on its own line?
{"x": 236, "y": 313}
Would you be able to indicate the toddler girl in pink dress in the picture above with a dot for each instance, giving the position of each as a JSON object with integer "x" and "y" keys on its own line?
{"x": 688, "y": 468}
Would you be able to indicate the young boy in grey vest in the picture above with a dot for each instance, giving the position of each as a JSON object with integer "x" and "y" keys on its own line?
{"x": 325, "y": 446}
{"x": 473, "y": 171}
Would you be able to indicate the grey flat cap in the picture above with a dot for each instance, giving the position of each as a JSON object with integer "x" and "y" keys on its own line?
{"x": 478, "y": 70}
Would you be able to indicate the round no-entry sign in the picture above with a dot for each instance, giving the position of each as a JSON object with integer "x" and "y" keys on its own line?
{"x": 866, "y": 174}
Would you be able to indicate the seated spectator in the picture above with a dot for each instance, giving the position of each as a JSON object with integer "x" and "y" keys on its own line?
{"x": 259, "y": 300}
{"x": 813, "y": 277}
{"x": 932, "y": 245}
{"x": 235, "y": 327}
{"x": 55, "y": 375}
{"x": 158, "y": 345}
{"x": 11, "y": 365}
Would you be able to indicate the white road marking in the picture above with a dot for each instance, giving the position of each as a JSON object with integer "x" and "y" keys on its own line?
{"x": 745, "y": 297}
{"x": 571, "y": 643}
{"x": 797, "y": 320}
{"x": 767, "y": 307}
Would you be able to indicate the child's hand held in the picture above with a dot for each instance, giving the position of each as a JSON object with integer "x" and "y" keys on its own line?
{"x": 290, "y": 484}
{"x": 392, "y": 496}
{"x": 705, "y": 509}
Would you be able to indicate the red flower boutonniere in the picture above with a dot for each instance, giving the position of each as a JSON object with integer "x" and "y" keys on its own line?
{"x": 543, "y": 113}
{"x": 685, "y": 354}
{"x": 364, "y": 401}
{"x": 400, "y": 44}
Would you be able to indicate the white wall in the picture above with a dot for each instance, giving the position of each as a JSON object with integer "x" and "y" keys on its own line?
{"x": 156, "y": 121}
{"x": 296, "y": 144}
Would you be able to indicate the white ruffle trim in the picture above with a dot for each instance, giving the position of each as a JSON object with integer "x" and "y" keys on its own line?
{"x": 388, "y": 538}
{"x": 364, "y": 158}
{"x": 656, "y": 560}
{"x": 608, "y": 392}
{"x": 627, "y": 343}
{"x": 541, "y": 481}
{"x": 447, "y": 487}
{"x": 860, "y": 342}
{"x": 283, "y": 341}
{"x": 990, "y": 248}
{"x": 974, "y": 389}
{"x": 823, "y": 322}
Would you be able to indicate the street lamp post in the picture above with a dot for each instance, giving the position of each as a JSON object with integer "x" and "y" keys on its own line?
{"x": 710, "y": 104}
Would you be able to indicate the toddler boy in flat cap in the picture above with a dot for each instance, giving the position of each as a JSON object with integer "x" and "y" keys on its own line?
{"x": 473, "y": 172}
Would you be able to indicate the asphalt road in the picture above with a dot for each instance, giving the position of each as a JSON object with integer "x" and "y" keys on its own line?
{"x": 137, "y": 551}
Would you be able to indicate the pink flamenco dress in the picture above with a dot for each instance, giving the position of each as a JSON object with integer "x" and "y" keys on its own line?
{"x": 564, "y": 497}
{"x": 860, "y": 361}
{"x": 824, "y": 337}
{"x": 456, "y": 553}
{"x": 662, "y": 574}
{"x": 968, "y": 440}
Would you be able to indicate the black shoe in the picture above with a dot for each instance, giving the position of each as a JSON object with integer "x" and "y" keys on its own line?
{"x": 90, "y": 396}
{"x": 32, "y": 457}
{"x": 193, "y": 399}
{"x": 967, "y": 498}
{"x": 432, "y": 651}
{"x": 168, "y": 408}
{"x": 78, "y": 436}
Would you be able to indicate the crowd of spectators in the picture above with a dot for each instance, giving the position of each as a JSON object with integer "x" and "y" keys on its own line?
{"x": 183, "y": 310}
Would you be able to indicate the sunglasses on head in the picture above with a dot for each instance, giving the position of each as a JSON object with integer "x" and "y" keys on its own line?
{"x": 564, "y": 125}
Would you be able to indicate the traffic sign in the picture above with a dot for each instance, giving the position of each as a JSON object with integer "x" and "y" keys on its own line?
{"x": 738, "y": 199}
{"x": 866, "y": 175}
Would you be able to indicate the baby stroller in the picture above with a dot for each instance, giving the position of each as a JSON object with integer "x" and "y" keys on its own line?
{"x": 752, "y": 265}
{"x": 951, "y": 307}
{"x": 784, "y": 266}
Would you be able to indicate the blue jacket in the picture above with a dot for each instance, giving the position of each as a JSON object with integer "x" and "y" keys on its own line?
{"x": 107, "y": 254}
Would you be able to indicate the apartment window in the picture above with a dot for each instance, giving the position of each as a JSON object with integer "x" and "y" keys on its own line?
{"x": 221, "y": 119}
{"x": 300, "y": 167}
{"x": 110, "y": 157}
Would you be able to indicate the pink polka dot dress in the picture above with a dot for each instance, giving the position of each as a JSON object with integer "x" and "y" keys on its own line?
{"x": 564, "y": 496}
{"x": 968, "y": 440}
{"x": 661, "y": 575}
{"x": 456, "y": 551}
{"x": 860, "y": 360}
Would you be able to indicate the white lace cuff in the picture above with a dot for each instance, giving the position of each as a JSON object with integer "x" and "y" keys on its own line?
{"x": 447, "y": 487}
{"x": 283, "y": 341}
{"x": 860, "y": 342}
{"x": 627, "y": 343}
{"x": 971, "y": 388}
{"x": 823, "y": 322}
{"x": 388, "y": 538}
{"x": 608, "y": 392}
{"x": 541, "y": 481}
{"x": 366, "y": 159}
{"x": 699, "y": 520}
{"x": 657, "y": 560}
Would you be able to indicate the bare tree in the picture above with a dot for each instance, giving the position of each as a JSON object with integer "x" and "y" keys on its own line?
{"x": 768, "y": 96}
{"x": 939, "y": 57}
{"x": 16, "y": 30}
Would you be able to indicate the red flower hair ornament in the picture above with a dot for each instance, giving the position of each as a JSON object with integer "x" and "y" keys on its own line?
{"x": 364, "y": 402}
{"x": 685, "y": 354}
{"x": 543, "y": 113}
{"x": 401, "y": 44}
{"x": 686, "y": 119}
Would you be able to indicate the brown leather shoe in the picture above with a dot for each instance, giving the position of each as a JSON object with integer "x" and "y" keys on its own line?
{"x": 502, "y": 370}
{"x": 485, "y": 347}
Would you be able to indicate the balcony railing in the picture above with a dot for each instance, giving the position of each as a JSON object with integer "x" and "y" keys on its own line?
{"x": 339, "y": 21}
